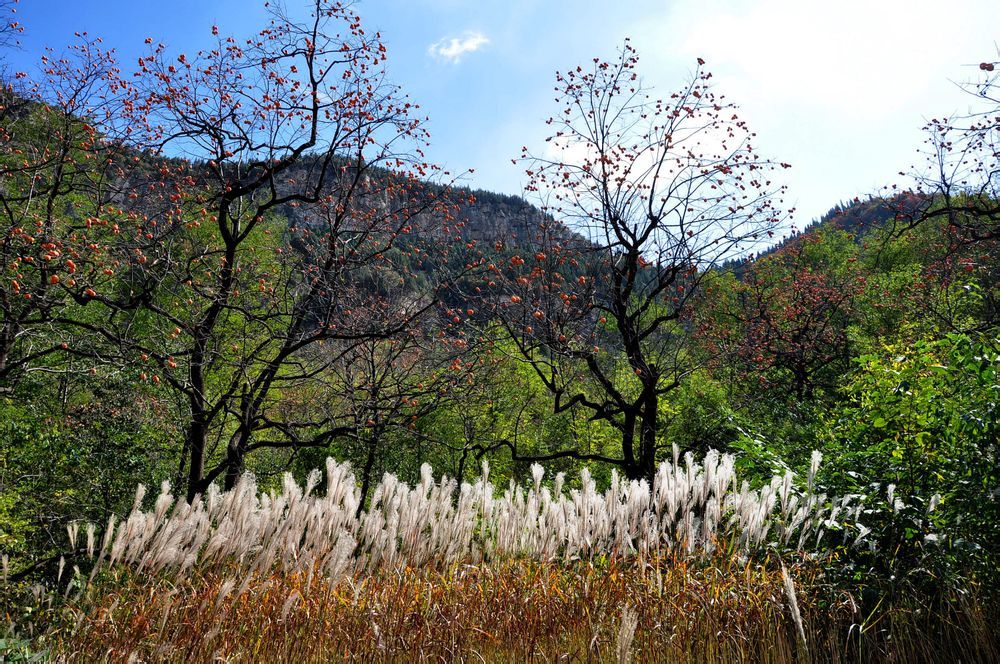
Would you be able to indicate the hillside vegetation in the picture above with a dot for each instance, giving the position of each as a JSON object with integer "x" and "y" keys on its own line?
{"x": 638, "y": 420}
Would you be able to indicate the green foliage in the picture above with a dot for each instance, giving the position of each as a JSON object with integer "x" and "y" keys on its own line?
{"x": 919, "y": 435}
{"x": 75, "y": 455}
{"x": 20, "y": 651}
{"x": 698, "y": 416}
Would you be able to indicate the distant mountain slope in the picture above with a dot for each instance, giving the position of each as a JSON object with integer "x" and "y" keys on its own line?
{"x": 857, "y": 217}
{"x": 486, "y": 216}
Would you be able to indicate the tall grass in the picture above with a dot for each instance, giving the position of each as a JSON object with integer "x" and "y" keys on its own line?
{"x": 697, "y": 567}
{"x": 657, "y": 610}
{"x": 691, "y": 509}
{"x": 516, "y": 610}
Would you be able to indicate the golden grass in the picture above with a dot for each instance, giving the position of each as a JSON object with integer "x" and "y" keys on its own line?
{"x": 518, "y": 610}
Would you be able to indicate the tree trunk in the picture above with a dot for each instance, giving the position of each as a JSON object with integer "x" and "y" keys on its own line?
{"x": 182, "y": 466}
{"x": 235, "y": 458}
{"x": 647, "y": 439}
{"x": 196, "y": 442}
{"x": 460, "y": 475}
{"x": 6, "y": 342}
{"x": 366, "y": 475}
{"x": 629, "y": 465}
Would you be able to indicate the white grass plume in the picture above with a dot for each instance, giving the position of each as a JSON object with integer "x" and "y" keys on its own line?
{"x": 626, "y": 634}
{"x": 793, "y": 605}
{"x": 688, "y": 510}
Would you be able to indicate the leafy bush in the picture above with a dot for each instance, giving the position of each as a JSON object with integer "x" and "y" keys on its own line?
{"x": 919, "y": 436}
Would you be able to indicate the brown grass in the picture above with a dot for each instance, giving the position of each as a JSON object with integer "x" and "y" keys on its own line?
{"x": 513, "y": 611}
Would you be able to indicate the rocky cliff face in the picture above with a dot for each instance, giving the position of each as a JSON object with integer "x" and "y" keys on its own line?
{"x": 485, "y": 216}
{"x": 493, "y": 216}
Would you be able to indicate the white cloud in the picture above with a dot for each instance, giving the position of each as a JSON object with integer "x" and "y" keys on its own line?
{"x": 452, "y": 49}
{"x": 854, "y": 57}
{"x": 840, "y": 90}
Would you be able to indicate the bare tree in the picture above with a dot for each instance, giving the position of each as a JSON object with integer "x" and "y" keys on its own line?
{"x": 960, "y": 180}
{"x": 647, "y": 195}
{"x": 382, "y": 388}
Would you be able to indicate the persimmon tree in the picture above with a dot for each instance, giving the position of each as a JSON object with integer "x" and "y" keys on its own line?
{"x": 957, "y": 197}
{"x": 958, "y": 181}
{"x": 59, "y": 156}
{"x": 784, "y": 323}
{"x": 264, "y": 240}
{"x": 10, "y": 27}
{"x": 646, "y": 196}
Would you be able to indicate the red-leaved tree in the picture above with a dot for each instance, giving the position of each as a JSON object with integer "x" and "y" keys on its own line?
{"x": 784, "y": 323}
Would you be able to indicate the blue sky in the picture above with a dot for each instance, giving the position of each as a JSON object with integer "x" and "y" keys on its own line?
{"x": 838, "y": 89}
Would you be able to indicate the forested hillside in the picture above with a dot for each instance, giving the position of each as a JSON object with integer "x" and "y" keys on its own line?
{"x": 719, "y": 441}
